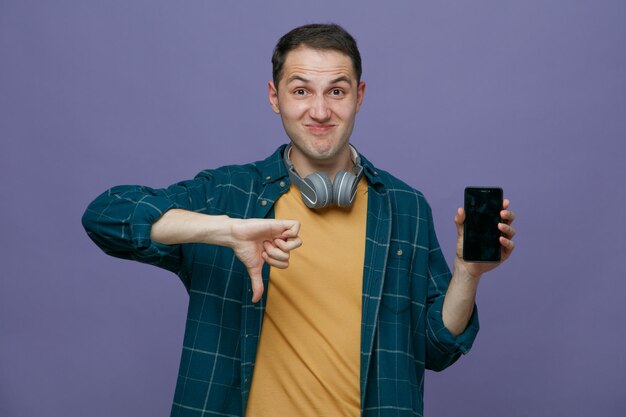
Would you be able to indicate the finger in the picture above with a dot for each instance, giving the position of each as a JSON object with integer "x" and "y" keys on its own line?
{"x": 277, "y": 264}
{"x": 295, "y": 228}
{"x": 509, "y": 231}
{"x": 275, "y": 253}
{"x": 507, "y": 244}
{"x": 274, "y": 262}
{"x": 505, "y": 204}
{"x": 507, "y": 216}
{"x": 289, "y": 244}
{"x": 292, "y": 228}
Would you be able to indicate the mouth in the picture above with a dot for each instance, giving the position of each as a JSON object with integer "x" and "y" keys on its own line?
{"x": 319, "y": 129}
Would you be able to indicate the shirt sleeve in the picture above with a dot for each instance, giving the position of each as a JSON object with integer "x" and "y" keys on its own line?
{"x": 442, "y": 348}
{"x": 119, "y": 221}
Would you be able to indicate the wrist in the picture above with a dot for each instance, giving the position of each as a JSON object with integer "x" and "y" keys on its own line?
{"x": 217, "y": 230}
{"x": 464, "y": 272}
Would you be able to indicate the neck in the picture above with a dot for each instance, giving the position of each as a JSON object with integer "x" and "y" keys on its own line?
{"x": 304, "y": 166}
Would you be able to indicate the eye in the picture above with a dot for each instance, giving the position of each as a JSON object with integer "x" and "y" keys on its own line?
{"x": 337, "y": 92}
{"x": 299, "y": 91}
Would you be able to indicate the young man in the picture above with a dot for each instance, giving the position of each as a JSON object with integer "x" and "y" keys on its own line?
{"x": 351, "y": 319}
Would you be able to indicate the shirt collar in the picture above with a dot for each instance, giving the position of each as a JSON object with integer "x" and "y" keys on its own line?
{"x": 273, "y": 169}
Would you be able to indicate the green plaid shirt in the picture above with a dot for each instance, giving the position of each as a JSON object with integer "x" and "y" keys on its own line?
{"x": 405, "y": 278}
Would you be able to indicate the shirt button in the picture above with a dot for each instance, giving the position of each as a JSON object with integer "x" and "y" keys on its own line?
{"x": 264, "y": 203}
{"x": 399, "y": 252}
{"x": 282, "y": 183}
{"x": 268, "y": 178}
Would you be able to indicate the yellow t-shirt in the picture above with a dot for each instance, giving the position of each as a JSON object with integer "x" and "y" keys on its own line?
{"x": 309, "y": 353}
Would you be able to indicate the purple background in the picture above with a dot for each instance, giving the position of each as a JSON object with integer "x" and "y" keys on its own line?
{"x": 529, "y": 95}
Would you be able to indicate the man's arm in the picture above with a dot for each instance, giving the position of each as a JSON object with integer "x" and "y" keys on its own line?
{"x": 461, "y": 295}
{"x": 146, "y": 224}
{"x": 254, "y": 241}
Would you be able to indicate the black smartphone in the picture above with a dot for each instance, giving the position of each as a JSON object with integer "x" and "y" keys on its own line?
{"x": 481, "y": 236}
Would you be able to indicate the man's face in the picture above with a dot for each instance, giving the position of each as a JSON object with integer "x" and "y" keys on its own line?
{"x": 317, "y": 98}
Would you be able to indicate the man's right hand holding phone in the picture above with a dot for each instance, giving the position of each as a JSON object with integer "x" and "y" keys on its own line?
{"x": 461, "y": 295}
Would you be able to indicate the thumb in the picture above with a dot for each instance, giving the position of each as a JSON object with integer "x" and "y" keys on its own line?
{"x": 256, "y": 279}
{"x": 459, "y": 219}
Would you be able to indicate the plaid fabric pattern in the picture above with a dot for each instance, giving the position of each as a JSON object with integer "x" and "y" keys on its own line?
{"x": 405, "y": 278}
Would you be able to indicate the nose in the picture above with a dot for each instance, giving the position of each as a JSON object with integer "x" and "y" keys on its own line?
{"x": 319, "y": 110}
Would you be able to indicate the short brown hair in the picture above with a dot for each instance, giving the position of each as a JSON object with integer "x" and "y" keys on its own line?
{"x": 316, "y": 36}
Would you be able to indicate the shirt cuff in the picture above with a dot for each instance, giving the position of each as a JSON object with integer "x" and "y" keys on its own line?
{"x": 441, "y": 336}
{"x": 147, "y": 211}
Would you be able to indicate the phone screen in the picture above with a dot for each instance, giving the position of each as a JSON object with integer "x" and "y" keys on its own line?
{"x": 481, "y": 236}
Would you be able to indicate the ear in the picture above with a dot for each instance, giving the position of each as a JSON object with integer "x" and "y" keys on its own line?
{"x": 360, "y": 92}
{"x": 272, "y": 94}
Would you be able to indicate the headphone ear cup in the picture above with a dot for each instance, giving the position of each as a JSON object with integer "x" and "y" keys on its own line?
{"x": 322, "y": 190}
{"x": 343, "y": 189}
